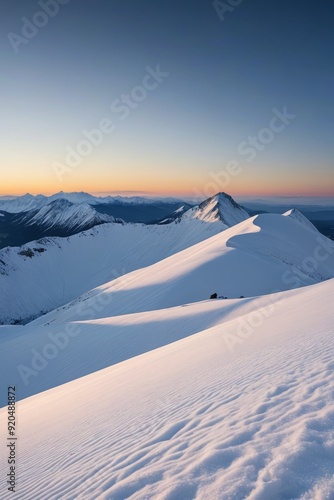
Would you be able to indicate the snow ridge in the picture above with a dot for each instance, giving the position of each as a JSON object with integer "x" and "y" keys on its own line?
{"x": 260, "y": 255}
{"x": 295, "y": 214}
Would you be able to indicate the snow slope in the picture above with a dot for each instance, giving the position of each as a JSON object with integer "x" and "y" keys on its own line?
{"x": 217, "y": 415}
{"x": 99, "y": 343}
{"x": 45, "y": 274}
{"x": 263, "y": 254}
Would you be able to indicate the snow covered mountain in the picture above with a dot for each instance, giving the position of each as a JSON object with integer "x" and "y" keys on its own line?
{"x": 52, "y": 268}
{"x": 58, "y": 218}
{"x": 245, "y": 412}
{"x": 220, "y": 207}
{"x": 261, "y": 255}
{"x": 64, "y": 215}
{"x": 28, "y": 217}
{"x": 166, "y": 394}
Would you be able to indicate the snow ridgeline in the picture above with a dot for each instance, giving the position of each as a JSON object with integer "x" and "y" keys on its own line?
{"x": 261, "y": 255}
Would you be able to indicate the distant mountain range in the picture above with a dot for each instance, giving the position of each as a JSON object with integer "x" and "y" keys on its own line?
{"x": 27, "y": 218}
{"x": 31, "y": 202}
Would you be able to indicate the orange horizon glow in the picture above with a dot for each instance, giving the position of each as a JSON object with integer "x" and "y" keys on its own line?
{"x": 192, "y": 183}
{"x": 196, "y": 192}
{"x": 174, "y": 181}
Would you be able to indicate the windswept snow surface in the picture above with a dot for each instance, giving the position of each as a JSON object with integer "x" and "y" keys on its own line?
{"x": 261, "y": 255}
{"x": 242, "y": 409}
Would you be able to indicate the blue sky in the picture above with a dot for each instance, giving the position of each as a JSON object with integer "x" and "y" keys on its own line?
{"x": 225, "y": 78}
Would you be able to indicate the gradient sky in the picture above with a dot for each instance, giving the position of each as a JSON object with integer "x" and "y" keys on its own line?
{"x": 225, "y": 78}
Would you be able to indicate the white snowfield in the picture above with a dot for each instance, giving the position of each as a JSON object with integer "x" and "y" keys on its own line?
{"x": 61, "y": 269}
{"x": 227, "y": 412}
{"x": 261, "y": 255}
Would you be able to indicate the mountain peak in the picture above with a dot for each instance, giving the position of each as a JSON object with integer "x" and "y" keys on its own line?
{"x": 60, "y": 204}
{"x": 222, "y": 195}
{"x": 220, "y": 207}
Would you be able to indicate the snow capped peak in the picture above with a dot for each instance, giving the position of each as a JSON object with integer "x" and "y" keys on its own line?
{"x": 223, "y": 197}
{"x": 64, "y": 214}
{"x": 295, "y": 214}
{"x": 80, "y": 197}
{"x": 220, "y": 207}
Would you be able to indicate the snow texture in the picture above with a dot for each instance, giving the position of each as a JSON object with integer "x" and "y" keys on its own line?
{"x": 200, "y": 418}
